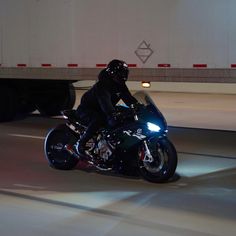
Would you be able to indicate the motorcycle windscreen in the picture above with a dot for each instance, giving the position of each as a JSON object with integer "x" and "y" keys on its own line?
{"x": 129, "y": 135}
{"x": 151, "y": 114}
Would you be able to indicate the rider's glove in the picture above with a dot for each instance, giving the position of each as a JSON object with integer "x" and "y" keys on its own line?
{"x": 137, "y": 106}
{"x": 113, "y": 119}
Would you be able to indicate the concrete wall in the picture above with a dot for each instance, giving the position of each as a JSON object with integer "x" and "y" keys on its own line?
{"x": 181, "y": 87}
{"x": 170, "y": 80}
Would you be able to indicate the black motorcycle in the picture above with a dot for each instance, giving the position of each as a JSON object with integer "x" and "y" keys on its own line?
{"x": 138, "y": 143}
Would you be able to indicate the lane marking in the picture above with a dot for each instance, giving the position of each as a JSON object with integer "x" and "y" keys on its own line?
{"x": 28, "y": 186}
{"x": 208, "y": 155}
{"x": 27, "y": 136}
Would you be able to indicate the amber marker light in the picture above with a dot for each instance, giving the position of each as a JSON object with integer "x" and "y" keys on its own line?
{"x": 146, "y": 84}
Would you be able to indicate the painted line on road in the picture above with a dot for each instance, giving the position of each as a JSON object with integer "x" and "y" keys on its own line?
{"x": 29, "y": 186}
{"x": 207, "y": 155}
{"x": 27, "y": 136}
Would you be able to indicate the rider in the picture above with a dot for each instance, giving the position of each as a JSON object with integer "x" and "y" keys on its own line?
{"x": 98, "y": 104}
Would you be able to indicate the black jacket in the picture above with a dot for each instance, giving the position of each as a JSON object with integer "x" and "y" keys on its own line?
{"x": 105, "y": 94}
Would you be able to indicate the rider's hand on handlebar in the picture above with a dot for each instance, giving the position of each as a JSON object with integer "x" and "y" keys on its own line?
{"x": 114, "y": 119}
{"x": 136, "y": 107}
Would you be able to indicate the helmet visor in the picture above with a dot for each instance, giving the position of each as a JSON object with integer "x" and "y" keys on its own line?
{"x": 124, "y": 74}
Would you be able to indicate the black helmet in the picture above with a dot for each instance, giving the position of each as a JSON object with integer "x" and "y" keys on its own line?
{"x": 118, "y": 70}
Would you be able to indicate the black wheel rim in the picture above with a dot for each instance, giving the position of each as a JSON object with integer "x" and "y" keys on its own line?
{"x": 55, "y": 148}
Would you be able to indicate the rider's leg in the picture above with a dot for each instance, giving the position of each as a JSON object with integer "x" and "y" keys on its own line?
{"x": 93, "y": 126}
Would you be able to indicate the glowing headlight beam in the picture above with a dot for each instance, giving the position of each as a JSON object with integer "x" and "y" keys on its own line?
{"x": 153, "y": 127}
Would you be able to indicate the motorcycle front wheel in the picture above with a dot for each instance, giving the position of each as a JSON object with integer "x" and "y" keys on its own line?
{"x": 162, "y": 164}
{"x": 54, "y": 147}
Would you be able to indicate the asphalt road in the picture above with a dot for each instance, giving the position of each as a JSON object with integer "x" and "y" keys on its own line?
{"x": 38, "y": 200}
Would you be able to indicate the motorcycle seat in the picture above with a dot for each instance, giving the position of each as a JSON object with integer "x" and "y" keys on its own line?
{"x": 72, "y": 116}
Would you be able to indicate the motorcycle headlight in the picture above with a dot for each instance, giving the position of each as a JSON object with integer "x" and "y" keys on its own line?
{"x": 153, "y": 127}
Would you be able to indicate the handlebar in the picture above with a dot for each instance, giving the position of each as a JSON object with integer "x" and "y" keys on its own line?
{"x": 125, "y": 113}
{"x": 133, "y": 108}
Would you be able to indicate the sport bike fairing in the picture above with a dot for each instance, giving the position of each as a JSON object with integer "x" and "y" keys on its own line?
{"x": 150, "y": 122}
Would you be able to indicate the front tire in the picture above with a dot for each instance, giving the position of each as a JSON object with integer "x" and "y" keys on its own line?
{"x": 55, "y": 152}
{"x": 164, "y": 163}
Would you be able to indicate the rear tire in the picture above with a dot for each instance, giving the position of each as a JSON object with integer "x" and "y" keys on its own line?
{"x": 165, "y": 161}
{"x": 55, "y": 153}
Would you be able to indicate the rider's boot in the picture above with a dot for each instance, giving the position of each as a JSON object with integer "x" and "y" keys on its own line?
{"x": 81, "y": 145}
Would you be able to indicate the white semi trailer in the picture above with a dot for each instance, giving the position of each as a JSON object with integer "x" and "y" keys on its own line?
{"x": 46, "y": 45}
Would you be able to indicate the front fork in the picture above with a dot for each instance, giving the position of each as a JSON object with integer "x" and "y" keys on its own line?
{"x": 147, "y": 154}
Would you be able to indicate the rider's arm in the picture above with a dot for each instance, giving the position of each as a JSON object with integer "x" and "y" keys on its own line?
{"x": 127, "y": 97}
{"x": 104, "y": 99}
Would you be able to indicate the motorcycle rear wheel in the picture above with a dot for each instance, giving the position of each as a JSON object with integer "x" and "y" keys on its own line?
{"x": 54, "y": 148}
{"x": 163, "y": 167}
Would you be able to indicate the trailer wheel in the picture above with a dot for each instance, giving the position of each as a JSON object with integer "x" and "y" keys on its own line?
{"x": 54, "y": 101}
{"x": 8, "y": 103}
{"x": 26, "y": 106}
